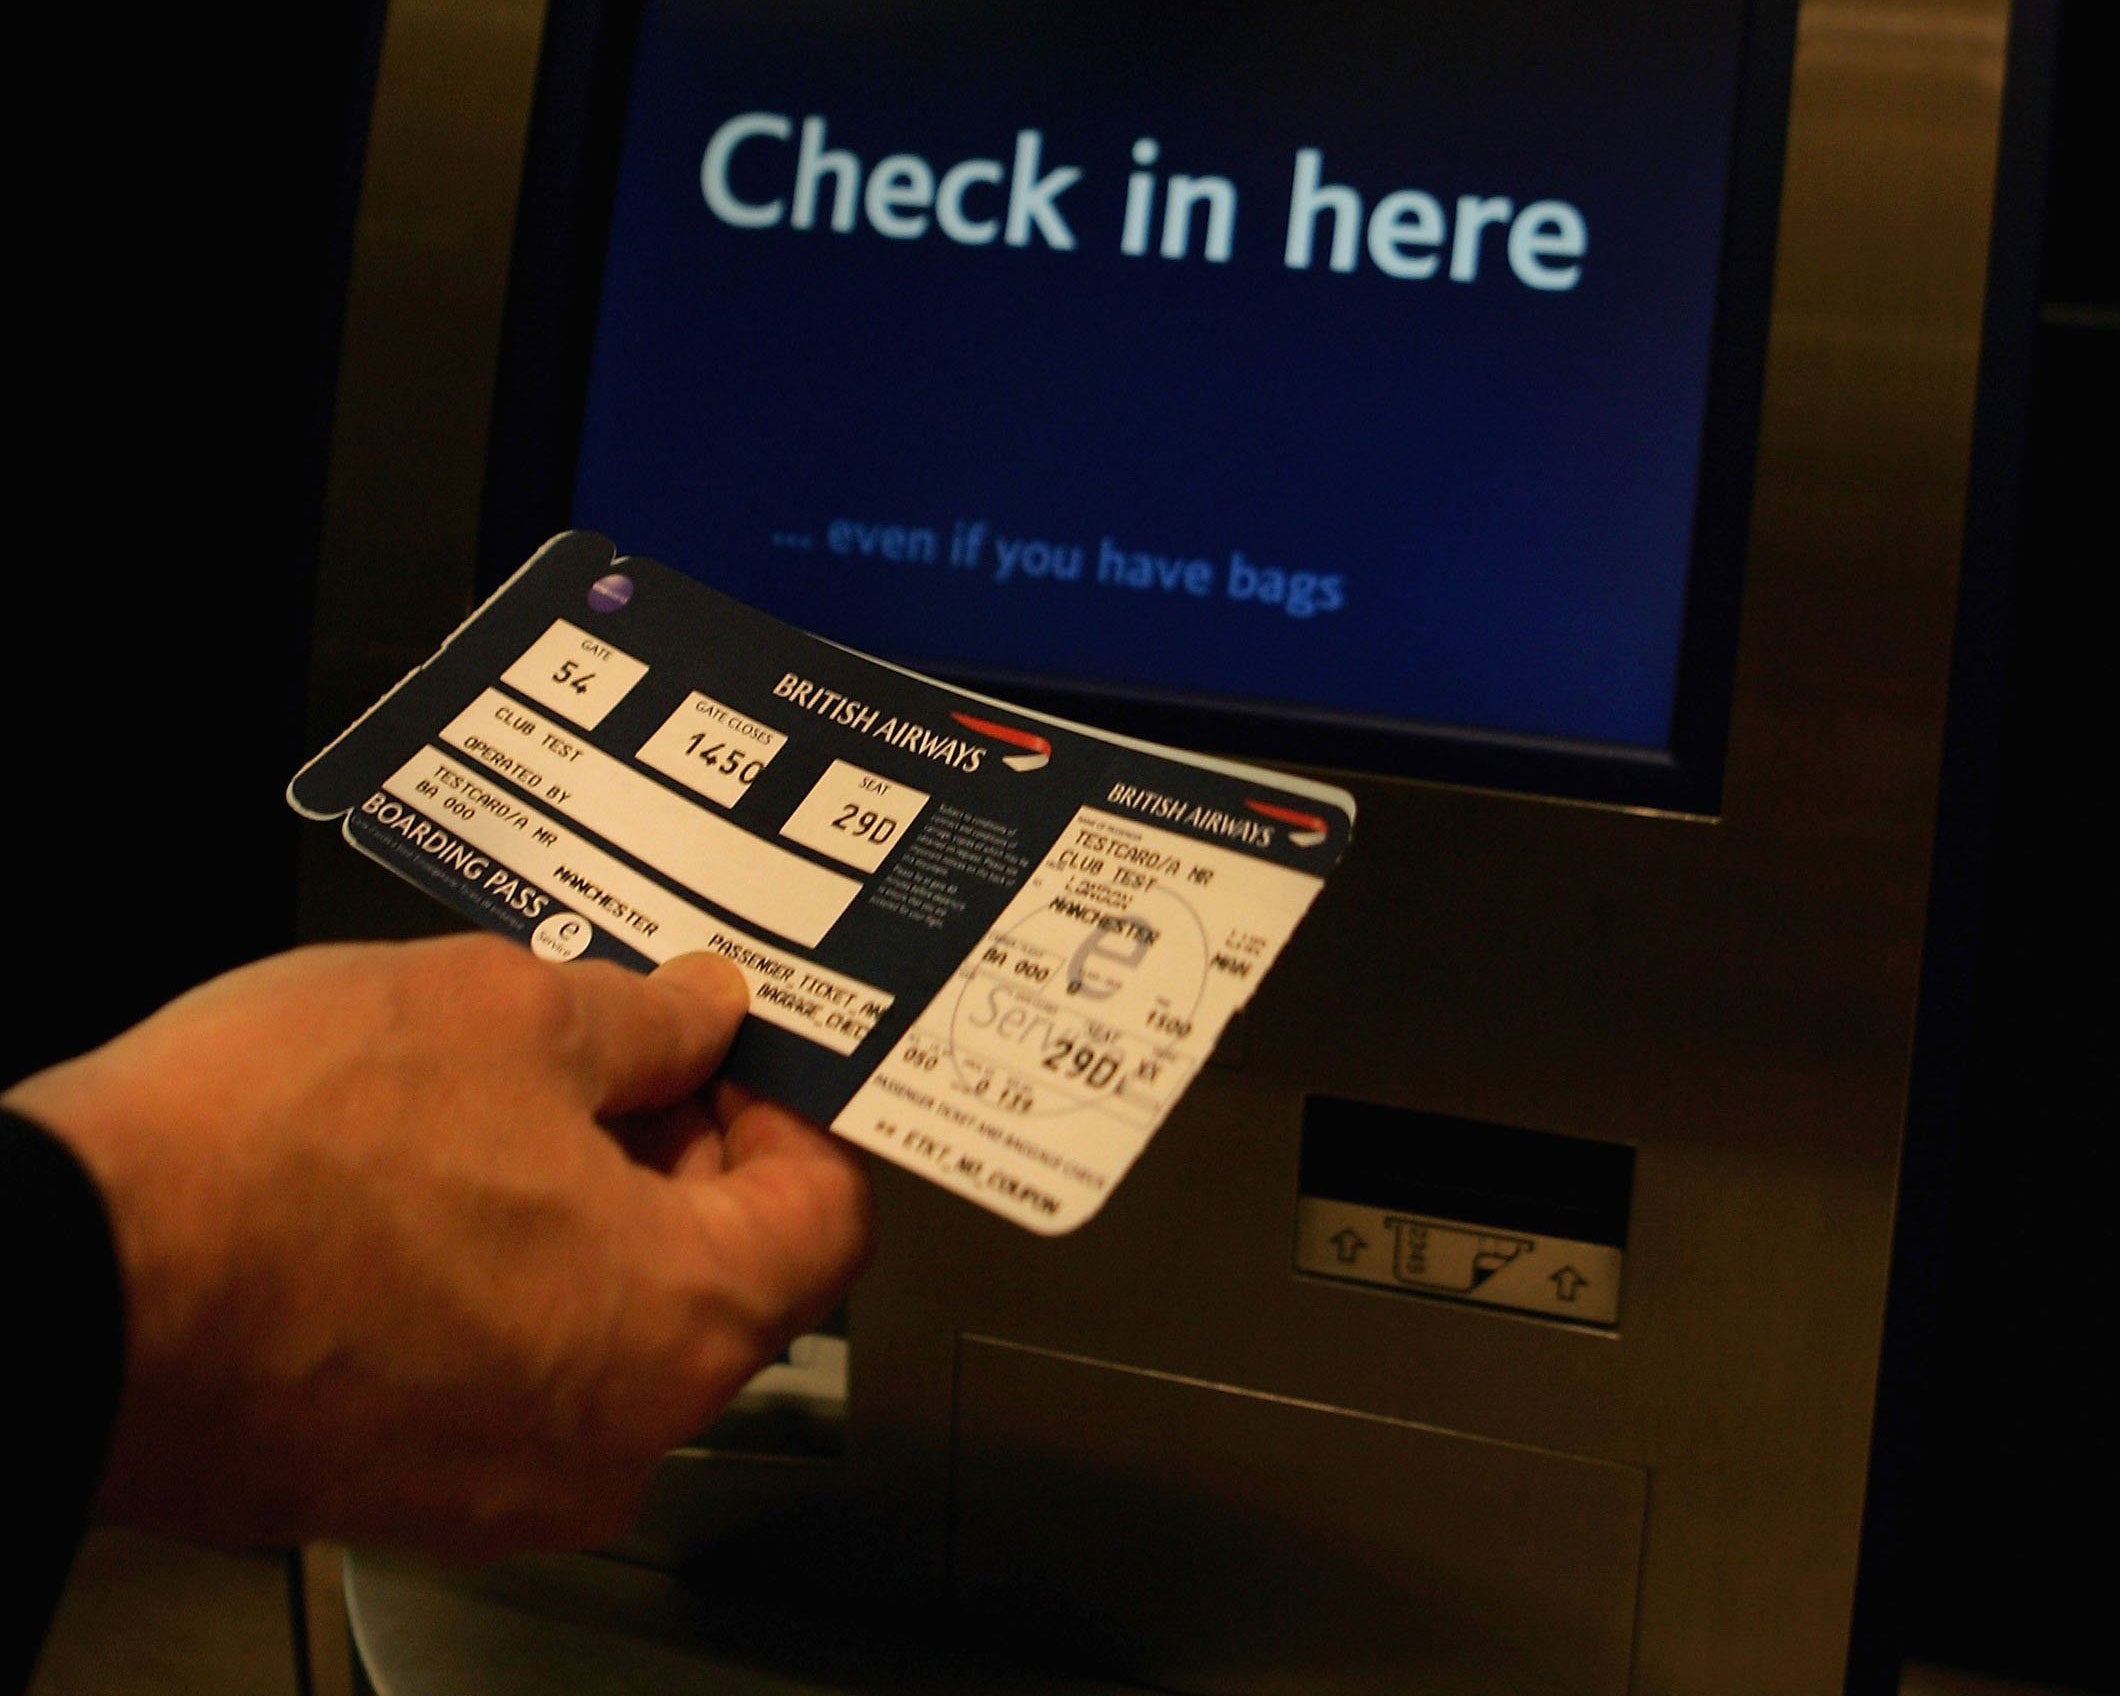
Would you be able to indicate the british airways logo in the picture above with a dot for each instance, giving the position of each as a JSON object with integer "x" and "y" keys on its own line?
{"x": 1190, "y": 814}
{"x": 1305, "y": 830}
{"x": 1032, "y": 750}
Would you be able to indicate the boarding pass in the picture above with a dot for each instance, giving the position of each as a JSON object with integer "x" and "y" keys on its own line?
{"x": 988, "y": 945}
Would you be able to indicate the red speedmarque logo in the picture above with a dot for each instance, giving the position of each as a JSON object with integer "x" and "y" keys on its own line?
{"x": 1305, "y": 830}
{"x": 1036, "y": 750}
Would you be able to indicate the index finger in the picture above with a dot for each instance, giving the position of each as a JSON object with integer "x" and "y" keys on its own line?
{"x": 644, "y": 1042}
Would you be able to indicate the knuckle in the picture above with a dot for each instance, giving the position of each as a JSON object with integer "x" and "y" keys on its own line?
{"x": 531, "y": 995}
{"x": 735, "y": 1331}
{"x": 840, "y": 1215}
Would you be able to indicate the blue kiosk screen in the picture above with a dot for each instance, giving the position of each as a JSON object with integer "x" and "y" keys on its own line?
{"x": 1348, "y": 361}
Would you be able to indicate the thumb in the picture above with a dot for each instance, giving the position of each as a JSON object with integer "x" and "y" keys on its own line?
{"x": 644, "y": 1042}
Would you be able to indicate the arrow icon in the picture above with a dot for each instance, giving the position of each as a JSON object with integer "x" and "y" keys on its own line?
{"x": 1348, "y": 1243}
{"x": 1566, "y": 1282}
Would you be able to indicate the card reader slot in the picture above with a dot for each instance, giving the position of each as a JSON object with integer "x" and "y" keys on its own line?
{"x": 1499, "y": 1175}
{"x": 1495, "y": 1215}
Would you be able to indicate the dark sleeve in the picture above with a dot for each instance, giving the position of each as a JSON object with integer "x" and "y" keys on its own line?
{"x": 65, "y": 1354}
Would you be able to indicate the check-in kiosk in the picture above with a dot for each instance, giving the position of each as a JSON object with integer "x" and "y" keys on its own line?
{"x": 1556, "y": 424}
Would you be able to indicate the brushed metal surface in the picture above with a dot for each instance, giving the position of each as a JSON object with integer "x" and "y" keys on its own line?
{"x": 577, "y": 1625}
{"x": 423, "y": 319}
{"x": 1217, "y": 1542}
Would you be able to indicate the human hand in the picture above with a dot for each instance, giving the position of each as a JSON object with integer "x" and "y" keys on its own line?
{"x": 434, "y": 1244}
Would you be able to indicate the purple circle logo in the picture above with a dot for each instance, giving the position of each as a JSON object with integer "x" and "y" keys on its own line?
{"x": 608, "y": 594}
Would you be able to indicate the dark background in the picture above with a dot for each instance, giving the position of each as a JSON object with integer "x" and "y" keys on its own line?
{"x": 2008, "y": 1556}
{"x": 181, "y": 235}
{"x": 183, "y": 231}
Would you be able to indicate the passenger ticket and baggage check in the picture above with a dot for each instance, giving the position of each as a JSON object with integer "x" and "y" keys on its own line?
{"x": 988, "y": 945}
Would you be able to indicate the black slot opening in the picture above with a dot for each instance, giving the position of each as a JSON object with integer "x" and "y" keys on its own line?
{"x": 1463, "y": 1169}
